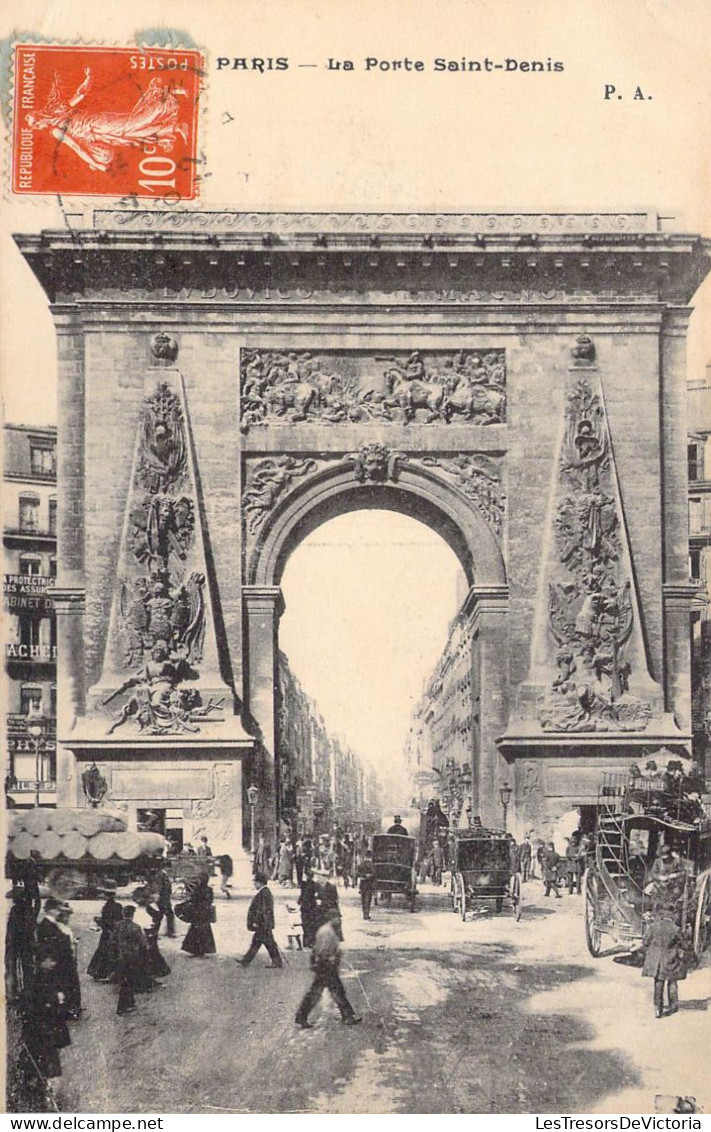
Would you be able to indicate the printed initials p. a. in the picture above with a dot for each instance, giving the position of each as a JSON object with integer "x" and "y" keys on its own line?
{"x": 610, "y": 91}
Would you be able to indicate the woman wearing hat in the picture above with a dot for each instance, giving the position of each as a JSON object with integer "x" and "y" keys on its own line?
{"x": 200, "y": 941}
{"x": 104, "y": 961}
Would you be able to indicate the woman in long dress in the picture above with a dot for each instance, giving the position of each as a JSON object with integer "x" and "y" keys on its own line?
{"x": 148, "y": 919}
{"x": 104, "y": 961}
{"x": 200, "y": 941}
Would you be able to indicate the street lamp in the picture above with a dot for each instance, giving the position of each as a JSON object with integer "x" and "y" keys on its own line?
{"x": 35, "y": 730}
{"x": 252, "y": 798}
{"x": 505, "y": 793}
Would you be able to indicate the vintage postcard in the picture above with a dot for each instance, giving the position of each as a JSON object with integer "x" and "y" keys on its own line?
{"x": 356, "y": 377}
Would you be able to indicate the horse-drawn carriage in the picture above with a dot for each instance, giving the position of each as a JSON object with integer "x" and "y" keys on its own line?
{"x": 652, "y": 850}
{"x": 395, "y": 866}
{"x": 483, "y": 872}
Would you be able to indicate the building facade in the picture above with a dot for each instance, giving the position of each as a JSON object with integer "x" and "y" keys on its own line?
{"x": 229, "y": 381}
{"x": 30, "y": 553}
{"x": 699, "y": 466}
{"x": 322, "y": 782}
{"x": 442, "y": 745}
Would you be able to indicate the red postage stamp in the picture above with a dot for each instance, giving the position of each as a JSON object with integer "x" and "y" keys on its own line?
{"x": 106, "y": 121}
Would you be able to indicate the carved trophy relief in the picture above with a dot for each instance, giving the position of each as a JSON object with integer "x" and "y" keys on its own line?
{"x": 162, "y": 458}
{"x": 420, "y": 387}
{"x": 160, "y": 609}
{"x": 590, "y": 604}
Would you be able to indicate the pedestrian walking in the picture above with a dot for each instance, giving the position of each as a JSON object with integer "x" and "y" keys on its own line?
{"x": 200, "y": 941}
{"x": 164, "y": 903}
{"x": 285, "y": 864}
{"x": 149, "y": 919}
{"x": 226, "y": 870}
{"x": 437, "y": 859}
{"x": 55, "y": 941}
{"x": 203, "y": 849}
{"x": 299, "y": 862}
{"x": 104, "y": 961}
{"x": 132, "y": 952}
{"x": 366, "y": 878}
{"x": 44, "y": 1029}
{"x": 327, "y": 896}
{"x": 262, "y": 856}
{"x": 572, "y": 868}
{"x": 549, "y": 864}
{"x": 260, "y": 921}
{"x": 525, "y": 859}
{"x": 325, "y": 963}
{"x": 664, "y": 960}
{"x": 310, "y": 909}
{"x": 19, "y": 945}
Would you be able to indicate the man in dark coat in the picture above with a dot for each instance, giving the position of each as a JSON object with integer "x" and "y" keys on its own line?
{"x": 397, "y": 827}
{"x": 19, "y": 945}
{"x": 132, "y": 948}
{"x": 308, "y": 902}
{"x": 327, "y": 897}
{"x": 366, "y": 876}
{"x": 260, "y": 921}
{"x": 54, "y": 943}
{"x": 550, "y": 870}
{"x": 525, "y": 858}
{"x": 663, "y": 960}
{"x": 437, "y": 859}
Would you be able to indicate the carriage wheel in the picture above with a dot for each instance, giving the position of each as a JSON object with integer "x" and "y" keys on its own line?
{"x": 593, "y": 937}
{"x": 462, "y": 898}
{"x": 517, "y": 896}
{"x": 702, "y": 929}
{"x": 453, "y": 894}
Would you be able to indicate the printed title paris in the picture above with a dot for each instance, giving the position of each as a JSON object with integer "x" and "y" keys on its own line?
{"x": 263, "y": 64}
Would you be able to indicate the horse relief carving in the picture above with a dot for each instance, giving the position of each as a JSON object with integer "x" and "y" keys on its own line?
{"x": 332, "y": 388}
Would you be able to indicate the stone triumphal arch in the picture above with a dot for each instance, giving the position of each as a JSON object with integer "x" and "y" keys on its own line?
{"x": 229, "y": 381}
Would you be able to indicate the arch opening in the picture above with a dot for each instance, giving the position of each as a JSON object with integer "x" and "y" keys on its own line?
{"x": 369, "y": 601}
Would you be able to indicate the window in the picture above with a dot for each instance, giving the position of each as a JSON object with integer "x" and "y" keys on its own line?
{"x": 695, "y": 563}
{"x": 695, "y": 516}
{"x": 43, "y": 459}
{"x": 53, "y": 515}
{"x": 30, "y": 699}
{"x": 53, "y": 567}
{"x": 692, "y": 455}
{"x": 30, "y": 565}
{"x": 29, "y": 512}
{"x": 30, "y": 631}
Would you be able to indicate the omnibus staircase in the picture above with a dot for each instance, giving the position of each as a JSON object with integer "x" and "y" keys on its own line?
{"x": 613, "y": 866}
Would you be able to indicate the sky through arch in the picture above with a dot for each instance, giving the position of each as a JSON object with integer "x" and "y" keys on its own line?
{"x": 369, "y": 598}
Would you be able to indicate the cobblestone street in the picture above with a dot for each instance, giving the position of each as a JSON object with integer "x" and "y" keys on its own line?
{"x": 482, "y": 1016}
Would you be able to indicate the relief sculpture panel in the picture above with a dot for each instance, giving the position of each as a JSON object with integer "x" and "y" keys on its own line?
{"x": 335, "y": 387}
